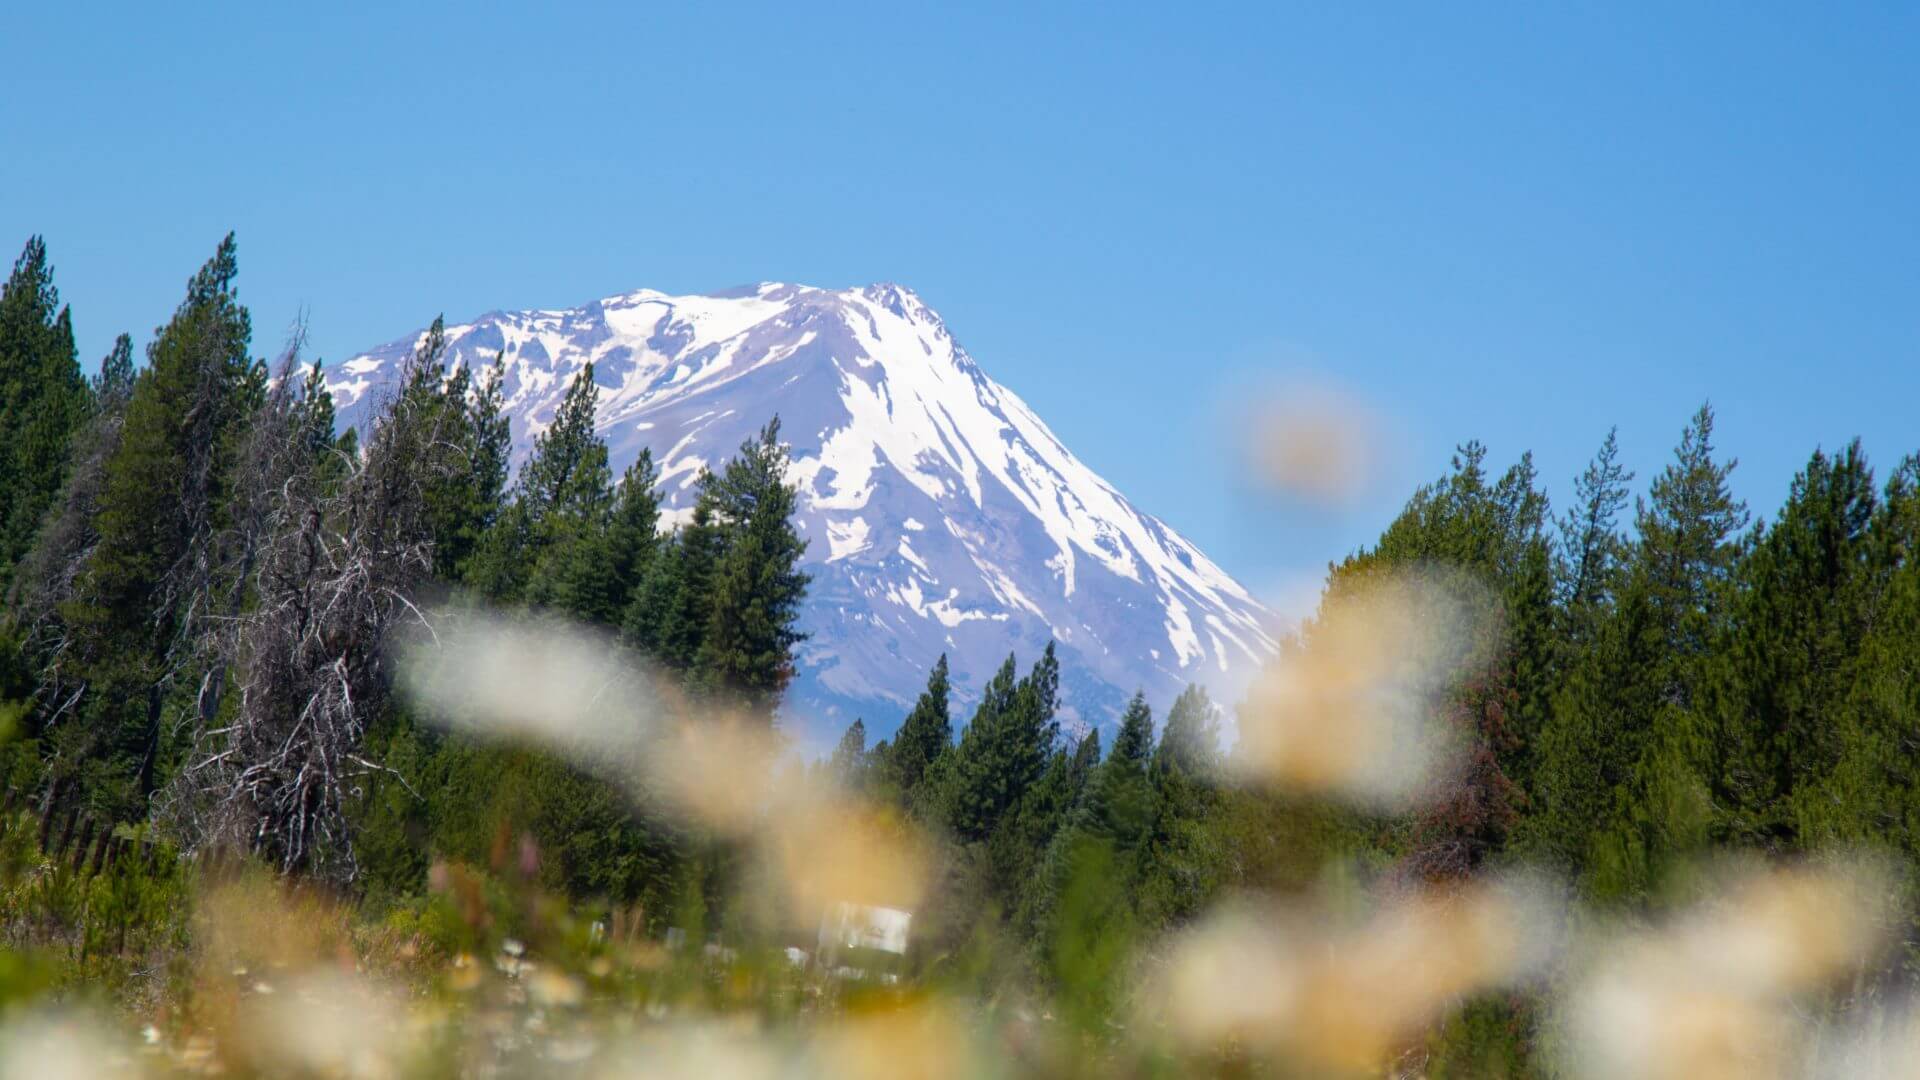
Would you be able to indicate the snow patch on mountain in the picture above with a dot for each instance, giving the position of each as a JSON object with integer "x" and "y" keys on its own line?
{"x": 943, "y": 515}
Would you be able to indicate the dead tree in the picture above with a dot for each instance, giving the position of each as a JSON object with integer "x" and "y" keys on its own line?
{"x": 342, "y": 544}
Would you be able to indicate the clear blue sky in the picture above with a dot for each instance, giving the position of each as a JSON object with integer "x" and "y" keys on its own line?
{"x": 1518, "y": 223}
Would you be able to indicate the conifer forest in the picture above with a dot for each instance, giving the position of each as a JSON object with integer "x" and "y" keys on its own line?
{"x": 379, "y": 752}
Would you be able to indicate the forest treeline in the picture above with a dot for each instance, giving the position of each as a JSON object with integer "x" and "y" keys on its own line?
{"x": 203, "y": 578}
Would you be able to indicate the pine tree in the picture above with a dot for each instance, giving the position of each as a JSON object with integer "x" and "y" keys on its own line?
{"x": 668, "y": 617}
{"x": 1779, "y": 678}
{"x": 43, "y": 401}
{"x": 848, "y": 765}
{"x": 1018, "y": 849}
{"x": 1872, "y": 794}
{"x": 1689, "y": 541}
{"x": 633, "y": 531}
{"x": 974, "y": 781}
{"x": 154, "y": 566}
{"x": 566, "y": 479}
{"x": 1492, "y": 535}
{"x": 1190, "y": 740}
{"x": 746, "y": 653}
{"x": 924, "y": 736}
{"x": 1184, "y": 862}
{"x": 1591, "y": 547}
{"x": 114, "y": 384}
{"x": 1624, "y": 763}
{"x": 1085, "y": 759}
{"x": 1596, "y": 734}
{"x": 475, "y": 496}
{"x": 563, "y": 504}
{"x": 1121, "y": 804}
{"x": 1083, "y": 899}
{"x": 46, "y": 577}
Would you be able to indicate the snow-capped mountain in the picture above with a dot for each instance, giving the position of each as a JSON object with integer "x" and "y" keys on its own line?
{"x": 942, "y": 515}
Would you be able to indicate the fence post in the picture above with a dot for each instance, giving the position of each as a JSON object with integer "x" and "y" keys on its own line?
{"x": 84, "y": 847}
{"x": 66, "y": 828}
{"x": 100, "y": 852}
{"x": 46, "y": 814}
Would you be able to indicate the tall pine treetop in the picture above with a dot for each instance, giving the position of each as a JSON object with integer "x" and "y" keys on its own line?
{"x": 1590, "y": 541}
{"x": 924, "y": 735}
{"x": 1190, "y": 741}
{"x": 43, "y": 401}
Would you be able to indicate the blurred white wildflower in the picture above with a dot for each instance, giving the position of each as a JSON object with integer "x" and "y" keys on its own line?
{"x": 540, "y": 679}
{"x": 1339, "y": 996}
{"x": 1713, "y": 994}
{"x": 1311, "y": 440}
{"x": 1349, "y": 708}
{"x": 579, "y": 694}
{"x": 331, "y": 1024}
{"x": 1881, "y": 1043}
{"x": 63, "y": 1046}
{"x": 697, "y": 1051}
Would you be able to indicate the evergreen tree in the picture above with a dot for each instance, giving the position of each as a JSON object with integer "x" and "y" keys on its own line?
{"x": 1492, "y": 534}
{"x": 1780, "y": 676}
{"x": 668, "y": 617}
{"x": 1591, "y": 547}
{"x": 1872, "y": 794}
{"x": 152, "y": 571}
{"x": 1085, "y": 759}
{"x": 923, "y": 737}
{"x": 1083, "y": 898}
{"x": 114, "y": 384}
{"x": 1184, "y": 863}
{"x": 566, "y": 480}
{"x": 563, "y": 504}
{"x": 1689, "y": 541}
{"x": 1621, "y": 782}
{"x": 43, "y": 401}
{"x": 474, "y": 497}
{"x": 633, "y": 531}
{"x": 465, "y": 468}
{"x": 746, "y": 653}
{"x": 1018, "y": 850}
{"x": 1190, "y": 741}
{"x": 1120, "y": 805}
{"x": 848, "y": 765}
{"x": 648, "y": 621}
{"x": 1596, "y": 734}
{"x": 975, "y": 780}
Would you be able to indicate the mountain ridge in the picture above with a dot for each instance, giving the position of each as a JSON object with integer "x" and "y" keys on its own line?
{"x": 942, "y": 514}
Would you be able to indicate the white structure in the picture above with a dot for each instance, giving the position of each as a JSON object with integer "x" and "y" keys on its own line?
{"x": 858, "y": 926}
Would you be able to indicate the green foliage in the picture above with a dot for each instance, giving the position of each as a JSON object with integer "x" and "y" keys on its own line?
{"x": 512, "y": 809}
{"x": 925, "y": 735}
{"x": 1490, "y": 1039}
{"x": 1625, "y": 769}
{"x": 848, "y": 765}
{"x": 43, "y": 401}
{"x": 1004, "y": 749}
{"x": 1020, "y": 853}
{"x": 467, "y": 504}
{"x": 1186, "y": 858}
{"x": 1122, "y": 802}
{"x": 157, "y": 559}
{"x": 746, "y": 652}
{"x": 1780, "y": 675}
{"x": 1092, "y": 932}
{"x": 1631, "y": 692}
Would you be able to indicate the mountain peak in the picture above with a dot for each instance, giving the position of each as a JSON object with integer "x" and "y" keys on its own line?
{"x": 942, "y": 514}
